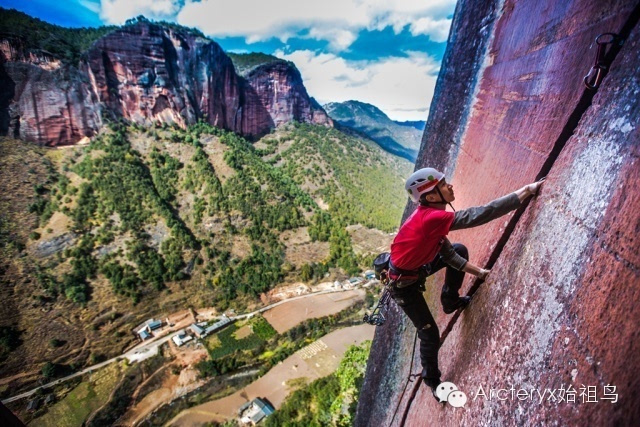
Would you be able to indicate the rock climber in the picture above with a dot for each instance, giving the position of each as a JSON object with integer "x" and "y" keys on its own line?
{"x": 421, "y": 248}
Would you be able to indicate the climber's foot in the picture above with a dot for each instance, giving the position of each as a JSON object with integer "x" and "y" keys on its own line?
{"x": 451, "y": 306}
{"x": 433, "y": 384}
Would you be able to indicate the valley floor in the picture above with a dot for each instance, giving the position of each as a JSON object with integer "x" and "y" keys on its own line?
{"x": 317, "y": 360}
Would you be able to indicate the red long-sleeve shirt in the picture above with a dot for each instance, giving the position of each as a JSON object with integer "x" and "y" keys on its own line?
{"x": 420, "y": 237}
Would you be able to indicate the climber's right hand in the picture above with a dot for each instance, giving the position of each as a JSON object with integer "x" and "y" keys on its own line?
{"x": 483, "y": 274}
{"x": 533, "y": 189}
{"x": 529, "y": 190}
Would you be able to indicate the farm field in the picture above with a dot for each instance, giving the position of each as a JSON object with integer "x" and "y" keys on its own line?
{"x": 287, "y": 315}
{"x": 86, "y": 398}
{"x": 316, "y": 360}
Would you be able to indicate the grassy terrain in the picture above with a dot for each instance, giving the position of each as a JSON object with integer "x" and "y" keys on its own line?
{"x": 97, "y": 399}
{"x": 264, "y": 347}
{"x": 225, "y": 342}
{"x": 169, "y": 182}
{"x": 361, "y": 183}
{"x": 39, "y": 36}
{"x": 66, "y": 44}
{"x": 87, "y": 397}
{"x": 245, "y": 62}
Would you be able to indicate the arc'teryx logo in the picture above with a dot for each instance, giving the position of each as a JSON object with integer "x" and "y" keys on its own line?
{"x": 448, "y": 392}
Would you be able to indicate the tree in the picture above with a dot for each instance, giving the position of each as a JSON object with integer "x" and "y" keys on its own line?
{"x": 49, "y": 370}
{"x": 55, "y": 343}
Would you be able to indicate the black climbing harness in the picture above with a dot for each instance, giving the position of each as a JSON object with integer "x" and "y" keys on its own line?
{"x": 593, "y": 79}
{"x": 381, "y": 267}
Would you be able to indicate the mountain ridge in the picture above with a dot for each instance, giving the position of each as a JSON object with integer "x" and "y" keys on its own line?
{"x": 401, "y": 139}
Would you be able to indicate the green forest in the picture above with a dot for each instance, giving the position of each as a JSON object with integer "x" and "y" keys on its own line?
{"x": 67, "y": 44}
{"x": 116, "y": 196}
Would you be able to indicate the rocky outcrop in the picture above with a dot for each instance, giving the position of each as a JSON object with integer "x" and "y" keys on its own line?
{"x": 145, "y": 73}
{"x": 558, "y": 310}
{"x": 274, "y": 94}
{"x": 43, "y": 101}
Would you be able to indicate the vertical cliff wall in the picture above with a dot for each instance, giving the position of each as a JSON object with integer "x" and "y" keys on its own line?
{"x": 559, "y": 308}
{"x": 145, "y": 73}
{"x": 274, "y": 94}
{"x": 43, "y": 101}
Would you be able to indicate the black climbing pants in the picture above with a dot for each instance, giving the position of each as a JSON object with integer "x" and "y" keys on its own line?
{"x": 409, "y": 297}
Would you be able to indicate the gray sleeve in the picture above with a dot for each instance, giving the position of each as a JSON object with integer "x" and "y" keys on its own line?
{"x": 472, "y": 217}
{"x": 450, "y": 256}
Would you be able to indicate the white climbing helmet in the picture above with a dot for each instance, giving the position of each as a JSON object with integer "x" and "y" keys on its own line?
{"x": 422, "y": 181}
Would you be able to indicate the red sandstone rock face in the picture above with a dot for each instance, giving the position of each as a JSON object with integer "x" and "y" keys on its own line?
{"x": 274, "y": 94}
{"x": 145, "y": 73}
{"x": 46, "y": 103}
{"x": 559, "y": 308}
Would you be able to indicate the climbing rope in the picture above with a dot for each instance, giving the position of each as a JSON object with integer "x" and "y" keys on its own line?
{"x": 409, "y": 378}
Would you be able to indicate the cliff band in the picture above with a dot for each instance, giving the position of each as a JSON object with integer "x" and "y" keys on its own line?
{"x": 145, "y": 73}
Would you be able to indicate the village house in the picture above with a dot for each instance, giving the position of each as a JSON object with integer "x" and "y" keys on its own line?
{"x": 181, "y": 338}
{"x": 144, "y": 332}
{"x": 251, "y": 413}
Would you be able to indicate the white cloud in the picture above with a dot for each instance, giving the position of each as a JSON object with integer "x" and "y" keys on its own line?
{"x": 436, "y": 29}
{"x": 118, "y": 11}
{"x": 338, "y": 39}
{"x": 401, "y": 87}
{"x": 337, "y": 21}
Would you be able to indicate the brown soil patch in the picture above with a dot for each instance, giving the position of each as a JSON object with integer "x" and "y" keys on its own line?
{"x": 241, "y": 246}
{"x": 243, "y": 332}
{"x": 208, "y": 313}
{"x": 283, "y": 292}
{"x": 300, "y": 249}
{"x": 173, "y": 385}
{"x": 295, "y": 237}
{"x": 322, "y": 204}
{"x": 289, "y": 314}
{"x": 314, "y": 361}
{"x": 59, "y": 224}
{"x": 307, "y": 253}
{"x": 215, "y": 149}
{"x": 369, "y": 240}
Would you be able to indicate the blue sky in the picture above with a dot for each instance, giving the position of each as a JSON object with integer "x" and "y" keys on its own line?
{"x": 386, "y": 53}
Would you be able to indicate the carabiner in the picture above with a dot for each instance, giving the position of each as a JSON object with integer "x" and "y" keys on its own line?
{"x": 596, "y": 71}
{"x": 593, "y": 79}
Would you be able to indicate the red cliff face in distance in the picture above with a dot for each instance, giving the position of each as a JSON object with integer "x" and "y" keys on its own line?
{"x": 147, "y": 73}
{"x": 559, "y": 310}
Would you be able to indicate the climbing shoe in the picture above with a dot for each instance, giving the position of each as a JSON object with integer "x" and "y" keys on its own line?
{"x": 433, "y": 384}
{"x": 450, "y": 306}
